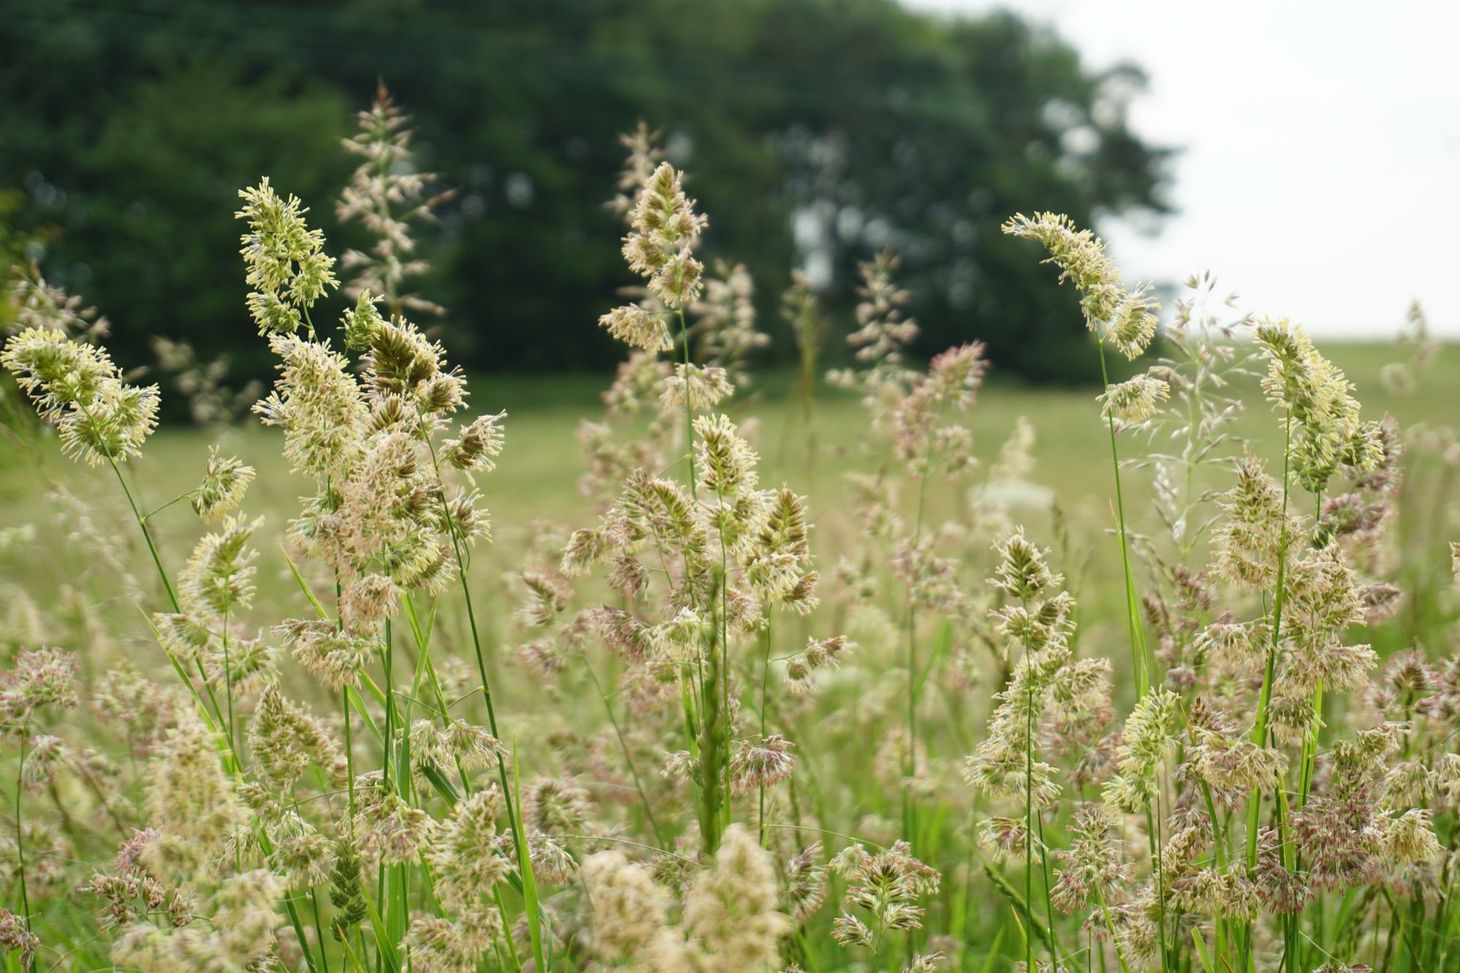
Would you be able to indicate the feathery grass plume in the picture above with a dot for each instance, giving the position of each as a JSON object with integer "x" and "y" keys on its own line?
{"x": 322, "y": 649}
{"x": 219, "y": 576}
{"x": 401, "y": 366}
{"x": 763, "y": 531}
{"x": 40, "y": 304}
{"x": 886, "y": 888}
{"x": 190, "y": 802}
{"x": 132, "y": 893}
{"x": 724, "y": 330}
{"x": 804, "y": 884}
{"x": 286, "y": 740}
{"x": 240, "y": 933}
{"x": 737, "y": 551}
{"x": 882, "y": 335}
{"x": 761, "y": 763}
{"x": 1315, "y": 395}
{"x": 285, "y": 260}
{"x": 556, "y": 806}
{"x": 664, "y": 230}
{"x": 923, "y": 436}
{"x": 40, "y": 678}
{"x": 629, "y": 909}
{"x": 636, "y": 387}
{"x": 732, "y": 920}
{"x": 1135, "y": 400}
{"x": 883, "y": 329}
{"x": 478, "y": 446}
{"x": 389, "y": 830}
{"x": 385, "y": 195}
{"x": 318, "y": 404}
{"x": 727, "y": 466}
{"x": 1146, "y": 740}
{"x": 1230, "y": 765}
{"x": 442, "y": 748}
{"x": 46, "y": 757}
{"x": 37, "y": 678}
{"x": 76, "y": 387}
{"x": 225, "y": 481}
{"x": 1342, "y": 825}
{"x": 645, "y": 153}
{"x": 637, "y": 327}
{"x": 1322, "y": 602}
{"x": 1092, "y": 866}
{"x": 1046, "y": 675}
{"x": 301, "y": 852}
{"x": 463, "y": 854}
{"x": 695, "y": 387}
{"x": 1047, "y": 686}
{"x": 438, "y": 945}
{"x": 819, "y": 655}
{"x": 1254, "y": 529}
{"x": 1123, "y": 318}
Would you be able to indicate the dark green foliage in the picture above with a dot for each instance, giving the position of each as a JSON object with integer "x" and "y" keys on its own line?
{"x": 130, "y": 124}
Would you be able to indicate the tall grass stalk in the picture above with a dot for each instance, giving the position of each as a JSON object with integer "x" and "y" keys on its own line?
{"x": 1140, "y": 665}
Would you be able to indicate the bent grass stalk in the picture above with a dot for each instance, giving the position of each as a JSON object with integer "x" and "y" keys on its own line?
{"x": 1140, "y": 662}
{"x": 1133, "y": 618}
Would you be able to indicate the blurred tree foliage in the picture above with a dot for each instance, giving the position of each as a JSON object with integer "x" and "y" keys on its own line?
{"x": 815, "y": 132}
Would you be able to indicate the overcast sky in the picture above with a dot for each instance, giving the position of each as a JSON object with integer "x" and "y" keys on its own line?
{"x": 1321, "y": 171}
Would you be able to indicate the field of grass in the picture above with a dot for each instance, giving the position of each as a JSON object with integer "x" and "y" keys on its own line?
{"x": 537, "y": 479}
{"x": 946, "y": 673}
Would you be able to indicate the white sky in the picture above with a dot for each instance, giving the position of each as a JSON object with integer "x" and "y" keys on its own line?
{"x": 1321, "y": 171}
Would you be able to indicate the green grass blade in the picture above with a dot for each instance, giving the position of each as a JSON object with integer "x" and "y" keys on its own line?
{"x": 304, "y": 586}
{"x": 1201, "y": 950}
{"x": 524, "y": 867}
{"x": 1021, "y": 908}
{"x": 994, "y": 954}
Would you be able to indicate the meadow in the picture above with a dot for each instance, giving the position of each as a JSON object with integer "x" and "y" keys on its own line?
{"x": 539, "y": 480}
{"x": 699, "y": 667}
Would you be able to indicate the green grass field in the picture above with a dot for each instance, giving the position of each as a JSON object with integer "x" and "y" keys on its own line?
{"x": 537, "y": 477}
{"x": 846, "y": 785}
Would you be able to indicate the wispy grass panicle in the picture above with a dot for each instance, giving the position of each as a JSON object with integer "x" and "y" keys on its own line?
{"x": 664, "y": 230}
{"x": 287, "y": 266}
{"x": 386, "y": 195}
{"x": 319, "y": 405}
{"x": 644, "y": 154}
{"x": 76, "y": 387}
{"x": 1123, "y": 318}
{"x": 724, "y": 329}
{"x": 1317, "y": 396}
{"x": 225, "y": 481}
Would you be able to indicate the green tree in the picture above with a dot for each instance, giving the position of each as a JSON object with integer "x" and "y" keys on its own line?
{"x": 817, "y": 132}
